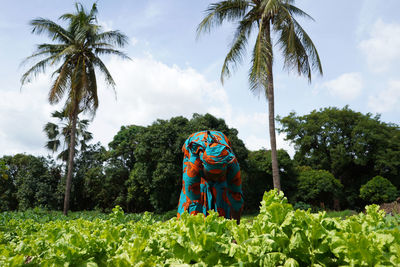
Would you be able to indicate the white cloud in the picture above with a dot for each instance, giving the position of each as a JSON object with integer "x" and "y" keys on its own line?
{"x": 255, "y": 133}
{"x": 347, "y": 86}
{"x": 382, "y": 47}
{"x": 254, "y": 142}
{"x": 386, "y": 100}
{"x": 107, "y": 25}
{"x": 23, "y": 114}
{"x": 148, "y": 89}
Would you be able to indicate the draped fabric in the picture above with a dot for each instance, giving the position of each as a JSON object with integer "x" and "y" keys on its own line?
{"x": 211, "y": 150}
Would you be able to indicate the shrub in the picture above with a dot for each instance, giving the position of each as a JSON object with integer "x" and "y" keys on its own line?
{"x": 317, "y": 186}
{"x": 378, "y": 190}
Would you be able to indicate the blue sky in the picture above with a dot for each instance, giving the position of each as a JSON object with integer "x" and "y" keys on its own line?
{"x": 174, "y": 74}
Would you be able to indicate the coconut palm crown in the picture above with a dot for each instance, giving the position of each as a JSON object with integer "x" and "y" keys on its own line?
{"x": 75, "y": 55}
{"x": 262, "y": 18}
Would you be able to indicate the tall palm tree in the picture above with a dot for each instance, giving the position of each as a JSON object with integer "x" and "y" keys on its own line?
{"x": 264, "y": 18}
{"x": 58, "y": 134}
{"x": 75, "y": 54}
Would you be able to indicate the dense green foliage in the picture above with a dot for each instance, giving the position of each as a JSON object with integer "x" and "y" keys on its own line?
{"x": 378, "y": 190}
{"x": 279, "y": 235}
{"x": 153, "y": 158}
{"x": 352, "y": 146}
{"x": 317, "y": 187}
{"x": 31, "y": 182}
{"x": 141, "y": 170}
{"x": 258, "y": 176}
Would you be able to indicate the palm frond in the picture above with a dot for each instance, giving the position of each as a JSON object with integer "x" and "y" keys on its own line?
{"x": 261, "y": 58}
{"x": 100, "y": 65}
{"x": 298, "y": 12}
{"x": 298, "y": 50}
{"x": 66, "y": 16}
{"x": 217, "y": 13}
{"x": 112, "y": 37}
{"x": 310, "y": 48}
{"x": 45, "y": 50}
{"x": 36, "y": 69}
{"x": 109, "y": 51}
{"x": 94, "y": 99}
{"x": 53, "y": 30}
{"x": 61, "y": 83}
{"x": 52, "y": 145}
{"x": 93, "y": 10}
{"x": 269, "y": 9}
{"x": 51, "y": 130}
{"x": 101, "y": 45}
{"x": 238, "y": 48}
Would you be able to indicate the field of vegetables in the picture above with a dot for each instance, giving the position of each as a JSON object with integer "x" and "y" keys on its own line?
{"x": 278, "y": 236}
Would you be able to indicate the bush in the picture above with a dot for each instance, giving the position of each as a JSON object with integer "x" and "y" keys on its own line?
{"x": 317, "y": 186}
{"x": 378, "y": 190}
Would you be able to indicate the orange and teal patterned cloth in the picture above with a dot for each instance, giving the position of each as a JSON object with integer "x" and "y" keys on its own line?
{"x": 212, "y": 151}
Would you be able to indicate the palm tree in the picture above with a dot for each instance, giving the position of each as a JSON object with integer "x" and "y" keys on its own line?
{"x": 78, "y": 49}
{"x": 265, "y": 17}
{"x": 60, "y": 134}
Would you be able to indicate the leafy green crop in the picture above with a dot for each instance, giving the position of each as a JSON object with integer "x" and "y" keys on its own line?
{"x": 278, "y": 236}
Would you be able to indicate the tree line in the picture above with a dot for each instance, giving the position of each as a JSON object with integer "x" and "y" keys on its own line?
{"x": 343, "y": 159}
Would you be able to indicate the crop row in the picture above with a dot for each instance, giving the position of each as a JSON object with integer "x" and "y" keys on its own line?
{"x": 279, "y": 235}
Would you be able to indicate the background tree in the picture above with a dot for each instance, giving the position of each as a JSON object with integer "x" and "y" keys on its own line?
{"x": 8, "y": 199}
{"x": 78, "y": 51}
{"x": 153, "y": 156}
{"x": 378, "y": 190}
{"x": 60, "y": 134}
{"x": 259, "y": 165}
{"x": 31, "y": 182}
{"x": 267, "y": 18}
{"x": 90, "y": 185}
{"x": 350, "y": 145}
{"x": 317, "y": 187}
{"x": 121, "y": 160}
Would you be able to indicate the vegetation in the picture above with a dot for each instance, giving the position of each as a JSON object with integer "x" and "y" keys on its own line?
{"x": 278, "y": 236}
{"x": 59, "y": 134}
{"x": 265, "y": 18}
{"x": 337, "y": 152}
{"x": 141, "y": 171}
{"x": 31, "y": 181}
{"x": 352, "y": 146}
{"x": 259, "y": 167}
{"x": 78, "y": 51}
{"x": 317, "y": 187}
{"x": 378, "y": 190}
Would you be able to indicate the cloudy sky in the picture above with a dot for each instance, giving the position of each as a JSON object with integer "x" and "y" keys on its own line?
{"x": 174, "y": 74}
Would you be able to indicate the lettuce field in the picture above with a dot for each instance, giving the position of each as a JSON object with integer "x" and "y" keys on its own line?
{"x": 278, "y": 236}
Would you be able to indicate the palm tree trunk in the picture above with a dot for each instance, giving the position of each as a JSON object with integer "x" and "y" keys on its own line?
{"x": 70, "y": 159}
{"x": 271, "y": 114}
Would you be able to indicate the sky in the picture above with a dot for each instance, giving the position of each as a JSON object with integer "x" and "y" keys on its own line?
{"x": 173, "y": 73}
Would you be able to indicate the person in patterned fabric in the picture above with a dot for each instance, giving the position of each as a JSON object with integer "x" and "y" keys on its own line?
{"x": 211, "y": 177}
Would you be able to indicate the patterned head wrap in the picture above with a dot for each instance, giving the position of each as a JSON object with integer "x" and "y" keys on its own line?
{"x": 216, "y": 156}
